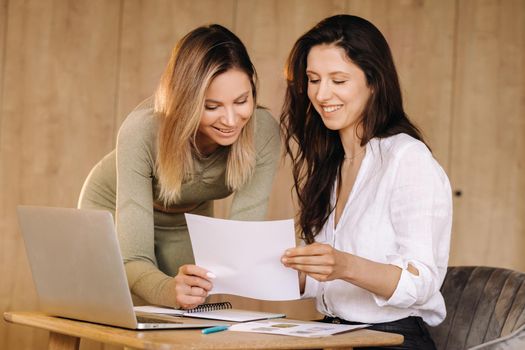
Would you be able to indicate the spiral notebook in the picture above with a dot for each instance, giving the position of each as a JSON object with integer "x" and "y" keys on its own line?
{"x": 213, "y": 311}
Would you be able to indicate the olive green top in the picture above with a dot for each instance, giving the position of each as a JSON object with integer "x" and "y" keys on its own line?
{"x": 153, "y": 239}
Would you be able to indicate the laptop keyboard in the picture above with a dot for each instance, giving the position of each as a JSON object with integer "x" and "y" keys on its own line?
{"x": 143, "y": 319}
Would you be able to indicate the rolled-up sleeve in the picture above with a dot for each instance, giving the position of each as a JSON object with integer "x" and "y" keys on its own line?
{"x": 421, "y": 215}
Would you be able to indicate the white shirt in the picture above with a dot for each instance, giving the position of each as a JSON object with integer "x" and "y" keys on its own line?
{"x": 399, "y": 212}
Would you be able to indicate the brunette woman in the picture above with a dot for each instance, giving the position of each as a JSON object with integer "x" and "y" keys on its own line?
{"x": 375, "y": 206}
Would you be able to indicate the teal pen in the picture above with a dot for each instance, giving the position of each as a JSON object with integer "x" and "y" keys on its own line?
{"x": 214, "y": 329}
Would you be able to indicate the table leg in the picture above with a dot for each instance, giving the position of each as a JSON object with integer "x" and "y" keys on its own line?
{"x": 58, "y": 341}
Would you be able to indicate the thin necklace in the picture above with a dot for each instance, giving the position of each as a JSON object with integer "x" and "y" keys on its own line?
{"x": 353, "y": 157}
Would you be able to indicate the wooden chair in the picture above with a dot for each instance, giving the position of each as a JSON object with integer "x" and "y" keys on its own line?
{"x": 483, "y": 304}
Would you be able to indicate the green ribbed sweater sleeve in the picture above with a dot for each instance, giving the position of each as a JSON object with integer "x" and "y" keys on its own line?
{"x": 135, "y": 163}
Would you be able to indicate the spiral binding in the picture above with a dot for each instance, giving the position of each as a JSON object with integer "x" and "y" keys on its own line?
{"x": 211, "y": 307}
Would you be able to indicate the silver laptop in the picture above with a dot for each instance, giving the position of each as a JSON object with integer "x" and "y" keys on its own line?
{"x": 78, "y": 271}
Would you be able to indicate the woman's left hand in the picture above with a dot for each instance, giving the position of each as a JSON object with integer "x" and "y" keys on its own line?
{"x": 318, "y": 260}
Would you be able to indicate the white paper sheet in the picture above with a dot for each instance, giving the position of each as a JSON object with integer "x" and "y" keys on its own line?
{"x": 245, "y": 256}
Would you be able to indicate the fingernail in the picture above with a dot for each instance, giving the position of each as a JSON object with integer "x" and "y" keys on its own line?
{"x": 210, "y": 275}
{"x": 284, "y": 260}
{"x": 287, "y": 252}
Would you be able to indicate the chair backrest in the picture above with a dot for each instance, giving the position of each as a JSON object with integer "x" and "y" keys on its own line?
{"x": 483, "y": 303}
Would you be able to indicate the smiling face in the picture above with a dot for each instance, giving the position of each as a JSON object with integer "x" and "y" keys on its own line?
{"x": 228, "y": 106}
{"x": 337, "y": 87}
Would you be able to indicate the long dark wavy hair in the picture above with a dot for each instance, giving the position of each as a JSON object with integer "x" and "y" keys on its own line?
{"x": 316, "y": 151}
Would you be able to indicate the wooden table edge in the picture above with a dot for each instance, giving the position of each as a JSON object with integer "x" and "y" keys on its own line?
{"x": 59, "y": 336}
{"x": 69, "y": 339}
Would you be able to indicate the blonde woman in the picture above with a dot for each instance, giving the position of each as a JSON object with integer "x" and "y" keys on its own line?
{"x": 201, "y": 138}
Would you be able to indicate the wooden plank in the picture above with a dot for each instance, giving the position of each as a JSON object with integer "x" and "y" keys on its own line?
{"x": 488, "y": 129}
{"x": 4, "y": 287}
{"x": 3, "y": 31}
{"x": 57, "y": 120}
{"x": 3, "y": 26}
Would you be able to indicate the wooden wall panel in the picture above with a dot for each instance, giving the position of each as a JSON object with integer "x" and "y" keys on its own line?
{"x": 70, "y": 71}
{"x": 488, "y": 134}
{"x": 57, "y": 118}
{"x": 421, "y": 36}
{"x": 3, "y": 26}
{"x": 3, "y": 31}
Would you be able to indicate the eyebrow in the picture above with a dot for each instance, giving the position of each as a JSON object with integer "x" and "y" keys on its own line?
{"x": 244, "y": 94}
{"x": 331, "y": 73}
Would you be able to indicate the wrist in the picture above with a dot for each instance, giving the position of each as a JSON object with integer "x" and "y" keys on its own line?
{"x": 167, "y": 293}
{"x": 350, "y": 267}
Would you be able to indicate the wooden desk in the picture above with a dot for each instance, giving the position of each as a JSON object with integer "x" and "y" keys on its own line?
{"x": 65, "y": 335}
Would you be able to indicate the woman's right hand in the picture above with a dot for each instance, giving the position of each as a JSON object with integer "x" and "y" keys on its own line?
{"x": 192, "y": 285}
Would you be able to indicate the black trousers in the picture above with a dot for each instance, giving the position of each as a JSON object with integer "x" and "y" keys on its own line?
{"x": 412, "y": 328}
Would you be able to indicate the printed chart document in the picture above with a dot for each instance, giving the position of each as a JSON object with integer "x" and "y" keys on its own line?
{"x": 295, "y": 328}
{"x": 245, "y": 256}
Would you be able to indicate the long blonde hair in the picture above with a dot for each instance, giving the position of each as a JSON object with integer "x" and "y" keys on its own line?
{"x": 196, "y": 60}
